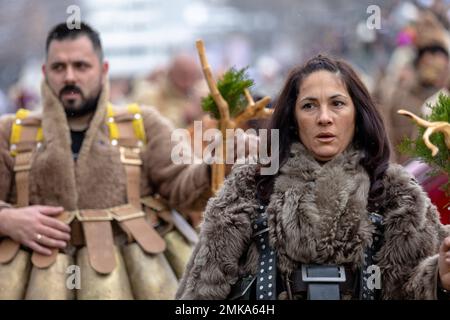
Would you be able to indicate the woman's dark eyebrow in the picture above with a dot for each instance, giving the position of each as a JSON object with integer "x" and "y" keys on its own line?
{"x": 309, "y": 98}
{"x": 338, "y": 95}
{"x": 332, "y": 97}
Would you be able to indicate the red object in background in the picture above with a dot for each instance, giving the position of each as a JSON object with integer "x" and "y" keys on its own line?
{"x": 433, "y": 185}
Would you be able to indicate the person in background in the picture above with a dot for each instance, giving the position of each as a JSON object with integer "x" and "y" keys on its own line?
{"x": 176, "y": 94}
{"x": 428, "y": 73}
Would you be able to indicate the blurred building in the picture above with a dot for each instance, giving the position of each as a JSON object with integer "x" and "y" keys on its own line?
{"x": 140, "y": 36}
{"x": 23, "y": 27}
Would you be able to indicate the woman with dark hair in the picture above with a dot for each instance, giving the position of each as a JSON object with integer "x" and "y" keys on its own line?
{"x": 336, "y": 221}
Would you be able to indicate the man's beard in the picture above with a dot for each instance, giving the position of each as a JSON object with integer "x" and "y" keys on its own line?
{"x": 88, "y": 105}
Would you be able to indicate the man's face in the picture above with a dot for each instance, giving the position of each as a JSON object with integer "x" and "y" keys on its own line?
{"x": 184, "y": 73}
{"x": 433, "y": 69}
{"x": 74, "y": 73}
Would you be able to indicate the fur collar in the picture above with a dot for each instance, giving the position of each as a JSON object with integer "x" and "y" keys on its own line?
{"x": 57, "y": 158}
{"x": 54, "y": 112}
{"x": 317, "y": 213}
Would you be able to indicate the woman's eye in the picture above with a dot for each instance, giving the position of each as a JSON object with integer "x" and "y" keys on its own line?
{"x": 307, "y": 106}
{"x": 338, "y": 103}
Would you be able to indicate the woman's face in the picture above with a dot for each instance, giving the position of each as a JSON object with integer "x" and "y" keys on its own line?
{"x": 325, "y": 115}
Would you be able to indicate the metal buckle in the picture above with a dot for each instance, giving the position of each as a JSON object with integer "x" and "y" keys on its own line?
{"x": 128, "y": 161}
{"x": 307, "y": 278}
{"x": 82, "y": 219}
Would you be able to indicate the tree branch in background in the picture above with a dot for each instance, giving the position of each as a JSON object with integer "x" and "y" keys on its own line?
{"x": 231, "y": 103}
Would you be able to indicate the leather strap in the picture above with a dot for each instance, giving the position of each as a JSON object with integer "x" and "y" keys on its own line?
{"x": 123, "y": 125}
{"x": 267, "y": 266}
{"x": 135, "y": 226}
{"x": 42, "y": 261}
{"x": 134, "y": 221}
{"x": 130, "y": 158}
{"x": 22, "y": 147}
{"x": 8, "y": 250}
{"x": 123, "y": 133}
{"x": 99, "y": 239}
{"x": 160, "y": 211}
{"x": 367, "y": 293}
{"x": 22, "y": 168}
{"x": 242, "y": 290}
{"x": 154, "y": 204}
{"x": 158, "y": 214}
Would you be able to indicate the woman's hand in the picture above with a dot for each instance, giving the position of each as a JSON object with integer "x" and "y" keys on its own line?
{"x": 444, "y": 263}
{"x": 35, "y": 227}
{"x": 240, "y": 149}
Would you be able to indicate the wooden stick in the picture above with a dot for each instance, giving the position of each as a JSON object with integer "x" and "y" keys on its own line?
{"x": 253, "y": 110}
{"x": 249, "y": 97}
{"x": 432, "y": 127}
{"x": 257, "y": 110}
{"x": 222, "y": 105}
{"x": 421, "y": 122}
{"x": 218, "y": 169}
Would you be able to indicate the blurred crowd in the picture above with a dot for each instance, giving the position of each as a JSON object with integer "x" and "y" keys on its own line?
{"x": 405, "y": 64}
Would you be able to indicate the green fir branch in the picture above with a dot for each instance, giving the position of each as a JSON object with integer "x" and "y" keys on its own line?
{"x": 231, "y": 86}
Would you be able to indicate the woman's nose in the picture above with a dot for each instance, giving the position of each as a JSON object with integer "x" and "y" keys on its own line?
{"x": 324, "y": 117}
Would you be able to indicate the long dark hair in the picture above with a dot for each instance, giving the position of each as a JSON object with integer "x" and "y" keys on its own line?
{"x": 370, "y": 134}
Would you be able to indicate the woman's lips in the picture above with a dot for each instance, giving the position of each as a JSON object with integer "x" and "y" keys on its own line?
{"x": 325, "y": 137}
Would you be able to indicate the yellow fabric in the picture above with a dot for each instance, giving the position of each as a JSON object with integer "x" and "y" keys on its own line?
{"x": 39, "y": 134}
{"x": 113, "y": 129}
{"x": 16, "y": 131}
{"x": 138, "y": 123}
{"x": 17, "y": 128}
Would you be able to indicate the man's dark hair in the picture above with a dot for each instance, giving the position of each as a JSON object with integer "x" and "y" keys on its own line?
{"x": 62, "y": 32}
{"x": 370, "y": 134}
{"x": 431, "y": 48}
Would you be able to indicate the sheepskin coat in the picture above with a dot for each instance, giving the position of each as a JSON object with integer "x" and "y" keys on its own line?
{"x": 97, "y": 179}
{"x": 317, "y": 214}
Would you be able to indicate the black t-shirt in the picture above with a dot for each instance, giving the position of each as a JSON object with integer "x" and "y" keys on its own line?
{"x": 77, "y": 141}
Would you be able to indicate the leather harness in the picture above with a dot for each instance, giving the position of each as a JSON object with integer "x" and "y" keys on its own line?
{"x": 128, "y": 134}
{"x": 312, "y": 282}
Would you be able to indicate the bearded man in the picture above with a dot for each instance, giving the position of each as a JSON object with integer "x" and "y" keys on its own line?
{"x": 91, "y": 164}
